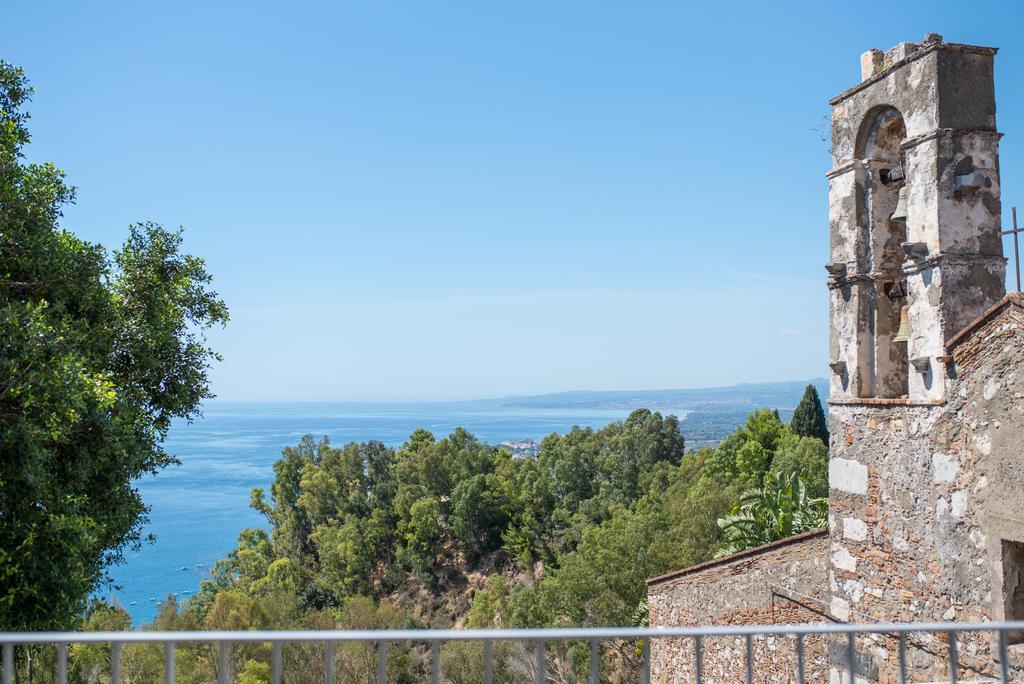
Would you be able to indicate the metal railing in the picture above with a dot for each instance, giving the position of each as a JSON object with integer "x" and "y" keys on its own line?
{"x": 381, "y": 639}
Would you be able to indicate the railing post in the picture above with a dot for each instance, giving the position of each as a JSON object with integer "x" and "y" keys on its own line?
{"x": 275, "y": 662}
{"x": 595, "y": 661}
{"x": 8, "y": 664}
{"x": 541, "y": 665}
{"x": 698, "y": 659}
{"x": 954, "y": 659}
{"x": 169, "y": 673}
{"x": 901, "y": 673}
{"x": 329, "y": 667}
{"x": 435, "y": 662}
{"x": 645, "y": 662}
{"x": 1004, "y": 665}
{"x": 62, "y": 663}
{"x": 801, "y": 674}
{"x": 115, "y": 662}
{"x": 382, "y": 662}
{"x": 750, "y": 659}
{"x": 222, "y": 662}
{"x": 851, "y": 646}
{"x": 488, "y": 662}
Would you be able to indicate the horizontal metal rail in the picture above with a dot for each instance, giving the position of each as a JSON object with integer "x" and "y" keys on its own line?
{"x": 380, "y": 639}
{"x": 544, "y": 634}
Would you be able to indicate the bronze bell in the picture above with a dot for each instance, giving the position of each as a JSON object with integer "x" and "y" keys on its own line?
{"x": 903, "y": 334}
{"x": 900, "y": 213}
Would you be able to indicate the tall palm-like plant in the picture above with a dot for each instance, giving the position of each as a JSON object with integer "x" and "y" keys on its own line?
{"x": 778, "y": 509}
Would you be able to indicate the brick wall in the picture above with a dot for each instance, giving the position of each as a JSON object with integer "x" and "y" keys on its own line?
{"x": 781, "y": 583}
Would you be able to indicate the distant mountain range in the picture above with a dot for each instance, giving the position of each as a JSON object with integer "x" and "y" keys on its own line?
{"x": 708, "y": 414}
{"x": 746, "y": 396}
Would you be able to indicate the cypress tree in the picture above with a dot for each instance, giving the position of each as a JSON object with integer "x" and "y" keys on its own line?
{"x": 809, "y": 417}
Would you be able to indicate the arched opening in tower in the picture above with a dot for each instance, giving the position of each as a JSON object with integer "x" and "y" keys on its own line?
{"x": 886, "y": 225}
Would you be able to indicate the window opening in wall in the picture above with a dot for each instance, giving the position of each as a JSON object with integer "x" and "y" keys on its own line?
{"x": 1013, "y": 585}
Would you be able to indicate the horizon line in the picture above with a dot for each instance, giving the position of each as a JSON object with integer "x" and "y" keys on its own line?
{"x": 506, "y": 397}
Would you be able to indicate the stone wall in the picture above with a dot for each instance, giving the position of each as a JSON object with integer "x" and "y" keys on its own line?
{"x": 781, "y": 583}
{"x": 926, "y": 524}
{"x": 923, "y": 498}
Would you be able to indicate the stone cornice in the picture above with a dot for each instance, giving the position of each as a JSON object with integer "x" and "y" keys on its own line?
{"x": 859, "y": 165}
{"x": 852, "y": 279}
{"x": 919, "y": 54}
{"x": 1010, "y": 299}
{"x": 746, "y": 553}
{"x": 937, "y": 260}
{"x": 933, "y": 261}
{"x": 883, "y": 401}
{"x": 847, "y": 165}
{"x": 942, "y": 132}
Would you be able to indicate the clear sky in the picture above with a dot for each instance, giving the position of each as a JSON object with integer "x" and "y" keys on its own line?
{"x": 434, "y": 200}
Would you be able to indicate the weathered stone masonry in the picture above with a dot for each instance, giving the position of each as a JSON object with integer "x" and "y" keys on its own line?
{"x": 926, "y": 406}
{"x": 757, "y": 586}
{"x": 923, "y": 498}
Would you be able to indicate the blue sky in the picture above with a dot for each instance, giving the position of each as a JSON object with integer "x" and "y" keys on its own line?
{"x": 413, "y": 200}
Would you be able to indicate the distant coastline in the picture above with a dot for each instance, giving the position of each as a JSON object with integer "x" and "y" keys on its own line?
{"x": 745, "y": 395}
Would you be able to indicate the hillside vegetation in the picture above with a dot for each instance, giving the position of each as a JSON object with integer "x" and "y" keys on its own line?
{"x": 453, "y": 532}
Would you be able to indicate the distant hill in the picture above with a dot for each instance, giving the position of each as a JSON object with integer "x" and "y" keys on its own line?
{"x": 708, "y": 414}
{"x": 780, "y": 395}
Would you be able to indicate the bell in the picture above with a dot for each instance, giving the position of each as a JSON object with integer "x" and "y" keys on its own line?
{"x": 900, "y": 213}
{"x": 903, "y": 334}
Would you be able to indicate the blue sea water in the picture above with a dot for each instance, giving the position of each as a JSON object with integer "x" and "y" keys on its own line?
{"x": 200, "y": 506}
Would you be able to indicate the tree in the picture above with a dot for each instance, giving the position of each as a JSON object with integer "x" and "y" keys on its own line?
{"x": 478, "y": 516}
{"x": 643, "y": 440}
{"x": 346, "y": 558}
{"x": 809, "y": 418}
{"x": 805, "y": 456}
{"x": 98, "y": 355}
{"x": 779, "y": 509}
{"x": 747, "y": 453}
{"x": 423, "y": 536}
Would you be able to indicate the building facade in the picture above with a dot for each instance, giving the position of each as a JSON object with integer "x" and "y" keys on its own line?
{"x": 926, "y": 405}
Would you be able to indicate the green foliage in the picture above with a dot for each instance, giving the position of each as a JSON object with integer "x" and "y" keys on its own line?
{"x": 779, "y": 509}
{"x": 489, "y": 603}
{"x": 98, "y": 354}
{"x": 601, "y": 582}
{"x": 747, "y": 454}
{"x": 566, "y": 538}
{"x": 423, "y": 540}
{"x": 809, "y": 417}
{"x": 805, "y": 456}
{"x": 255, "y": 672}
{"x": 480, "y": 512}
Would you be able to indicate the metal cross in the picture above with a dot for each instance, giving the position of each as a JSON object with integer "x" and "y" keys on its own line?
{"x": 1015, "y": 231}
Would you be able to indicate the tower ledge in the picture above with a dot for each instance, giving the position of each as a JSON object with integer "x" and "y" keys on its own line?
{"x": 925, "y": 49}
{"x": 885, "y": 401}
{"x": 1010, "y": 299}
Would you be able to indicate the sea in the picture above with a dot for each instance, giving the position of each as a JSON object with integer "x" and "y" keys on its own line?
{"x": 199, "y": 507}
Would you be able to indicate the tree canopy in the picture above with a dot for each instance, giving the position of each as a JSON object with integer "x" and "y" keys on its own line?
{"x": 450, "y": 530}
{"x": 809, "y": 417}
{"x": 98, "y": 354}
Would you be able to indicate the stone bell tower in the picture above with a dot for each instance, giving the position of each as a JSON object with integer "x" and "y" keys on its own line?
{"x": 925, "y": 413}
{"x": 914, "y": 217}
{"x": 926, "y": 443}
